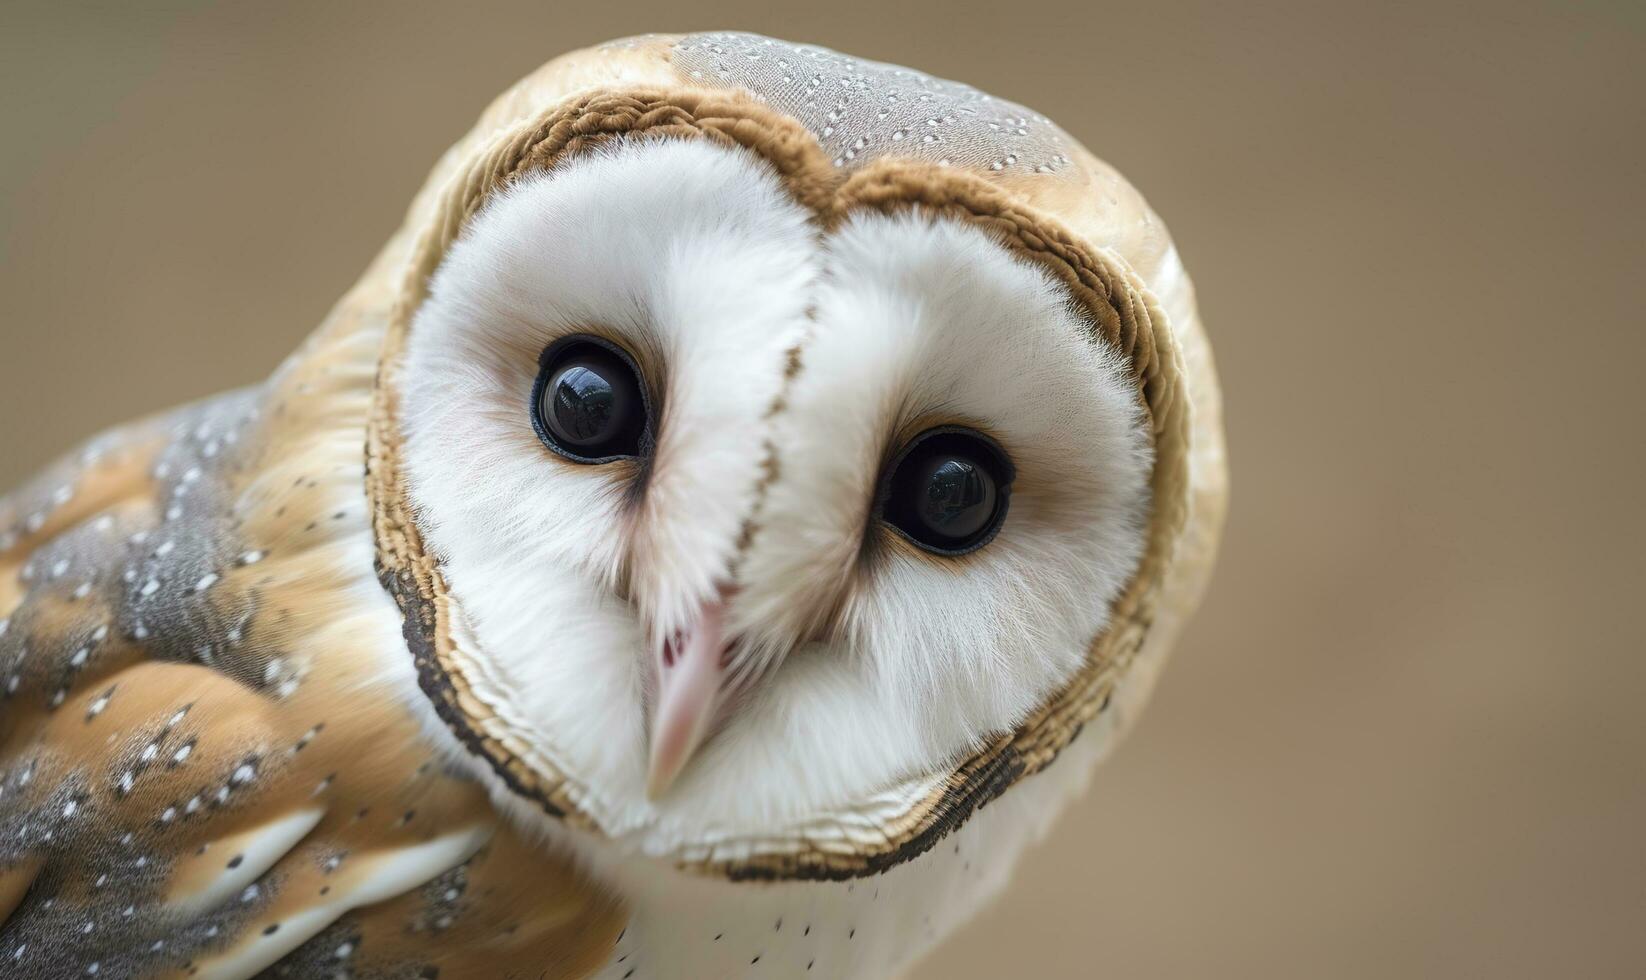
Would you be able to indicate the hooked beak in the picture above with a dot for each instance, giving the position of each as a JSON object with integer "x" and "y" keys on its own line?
{"x": 690, "y": 671}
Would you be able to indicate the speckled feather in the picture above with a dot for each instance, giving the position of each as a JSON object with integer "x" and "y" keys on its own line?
{"x": 194, "y": 778}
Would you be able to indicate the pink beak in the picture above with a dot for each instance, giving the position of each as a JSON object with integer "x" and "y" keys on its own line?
{"x": 690, "y": 670}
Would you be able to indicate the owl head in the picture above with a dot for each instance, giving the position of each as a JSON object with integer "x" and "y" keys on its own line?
{"x": 777, "y": 455}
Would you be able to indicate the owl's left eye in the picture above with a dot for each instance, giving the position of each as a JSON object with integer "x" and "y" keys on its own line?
{"x": 948, "y": 489}
{"x": 589, "y": 404}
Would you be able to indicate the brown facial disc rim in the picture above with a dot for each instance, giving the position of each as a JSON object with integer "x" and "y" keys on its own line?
{"x": 1123, "y": 314}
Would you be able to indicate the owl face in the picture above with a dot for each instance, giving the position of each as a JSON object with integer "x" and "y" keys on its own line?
{"x": 753, "y": 517}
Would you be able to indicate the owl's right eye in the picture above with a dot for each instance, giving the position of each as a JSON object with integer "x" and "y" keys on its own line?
{"x": 589, "y": 404}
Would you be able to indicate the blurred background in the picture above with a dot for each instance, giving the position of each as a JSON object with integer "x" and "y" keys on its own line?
{"x": 1407, "y": 734}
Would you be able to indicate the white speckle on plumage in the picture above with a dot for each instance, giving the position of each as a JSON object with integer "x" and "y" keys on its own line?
{"x": 79, "y": 658}
{"x": 182, "y": 753}
{"x": 344, "y": 951}
{"x": 149, "y": 588}
{"x": 100, "y": 634}
{"x": 98, "y": 705}
{"x": 149, "y": 752}
{"x": 250, "y": 894}
{"x": 165, "y": 548}
{"x": 168, "y": 814}
{"x": 242, "y": 774}
{"x": 206, "y": 581}
{"x": 252, "y": 557}
{"x": 59, "y": 568}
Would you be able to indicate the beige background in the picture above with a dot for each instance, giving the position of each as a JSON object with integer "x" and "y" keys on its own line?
{"x": 1405, "y": 736}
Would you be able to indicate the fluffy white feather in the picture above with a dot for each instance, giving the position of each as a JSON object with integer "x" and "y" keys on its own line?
{"x": 892, "y": 663}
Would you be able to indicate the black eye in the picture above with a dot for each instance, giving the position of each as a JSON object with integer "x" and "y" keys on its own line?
{"x": 948, "y": 490}
{"x": 588, "y": 404}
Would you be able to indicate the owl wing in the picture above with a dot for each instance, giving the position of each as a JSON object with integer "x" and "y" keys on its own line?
{"x": 196, "y": 775}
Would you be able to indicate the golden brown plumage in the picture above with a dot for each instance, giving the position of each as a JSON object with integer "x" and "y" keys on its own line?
{"x": 201, "y": 773}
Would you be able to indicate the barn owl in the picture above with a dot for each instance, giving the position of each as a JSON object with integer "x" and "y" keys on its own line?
{"x": 720, "y": 531}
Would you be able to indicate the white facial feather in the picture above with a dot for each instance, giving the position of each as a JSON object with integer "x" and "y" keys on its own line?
{"x": 890, "y": 663}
